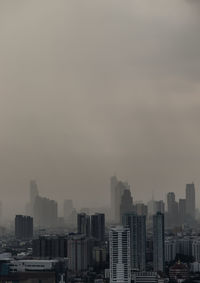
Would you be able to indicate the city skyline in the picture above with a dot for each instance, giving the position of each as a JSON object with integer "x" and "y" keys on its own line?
{"x": 99, "y": 144}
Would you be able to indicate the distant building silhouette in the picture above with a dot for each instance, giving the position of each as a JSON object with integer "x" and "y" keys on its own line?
{"x": 126, "y": 203}
{"x": 113, "y": 184}
{"x": 173, "y": 214}
{"x": 190, "y": 200}
{"x": 158, "y": 242}
{"x": 117, "y": 190}
{"x": 45, "y": 212}
{"x": 33, "y": 194}
{"x": 182, "y": 211}
{"x": 23, "y": 227}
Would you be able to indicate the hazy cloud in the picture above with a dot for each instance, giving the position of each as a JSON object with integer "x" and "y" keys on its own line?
{"x": 88, "y": 88}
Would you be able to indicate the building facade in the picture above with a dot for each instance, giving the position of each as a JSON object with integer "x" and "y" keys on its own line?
{"x": 158, "y": 242}
{"x": 120, "y": 270}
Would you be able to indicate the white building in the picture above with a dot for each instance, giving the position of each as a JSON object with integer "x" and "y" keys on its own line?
{"x": 120, "y": 270}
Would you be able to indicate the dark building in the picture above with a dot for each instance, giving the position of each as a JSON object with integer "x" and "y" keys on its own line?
{"x": 79, "y": 252}
{"x": 190, "y": 200}
{"x": 98, "y": 226}
{"x": 45, "y": 212}
{"x": 83, "y": 224}
{"x": 173, "y": 214}
{"x": 182, "y": 210}
{"x": 50, "y": 247}
{"x": 113, "y": 185}
{"x": 23, "y": 227}
{"x": 126, "y": 203}
{"x": 137, "y": 225}
{"x": 149, "y": 250}
{"x": 99, "y": 258}
{"x": 158, "y": 242}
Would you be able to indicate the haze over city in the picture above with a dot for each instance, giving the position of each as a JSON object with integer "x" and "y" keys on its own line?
{"x": 92, "y": 88}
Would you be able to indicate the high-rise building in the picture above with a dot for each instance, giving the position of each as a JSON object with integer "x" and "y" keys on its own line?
{"x": 172, "y": 215}
{"x": 117, "y": 190}
{"x": 170, "y": 200}
{"x": 45, "y": 212}
{"x": 141, "y": 231}
{"x": 190, "y": 200}
{"x": 98, "y": 226}
{"x": 158, "y": 242}
{"x": 79, "y": 252}
{"x": 182, "y": 210}
{"x": 126, "y": 203}
{"x": 83, "y": 224}
{"x": 68, "y": 209}
{"x": 113, "y": 184}
{"x": 33, "y": 194}
{"x": 120, "y": 271}
{"x": 137, "y": 225}
{"x": 23, "y": 227}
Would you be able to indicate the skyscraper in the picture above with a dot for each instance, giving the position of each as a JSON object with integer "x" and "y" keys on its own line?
{"x": 172, "y": 215}
{"x": 79, "y": 252}
{"x": 126, "y": 203}
{"x": 45, "y": 212}
{"x": 190, "y": 200}
{"x": 182, "y": 210}
{"x": 117, "y": 190}
{"x": 158, "y": 242}
{"x": 113, "y": 184}
{"x": 83, "y": 224}
{"x": 33, "y": 194}
{"x": 98, "y": 226}
{"x": 120, "y": 271}
{"x": 137, "y": 225}
{"x": 23, "y": 227}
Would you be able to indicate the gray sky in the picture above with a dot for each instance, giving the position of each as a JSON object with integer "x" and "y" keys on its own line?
{"x": 89, "y": 88}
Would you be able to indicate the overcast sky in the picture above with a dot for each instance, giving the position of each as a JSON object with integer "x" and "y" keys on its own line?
{"x": 89, "y": 88}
